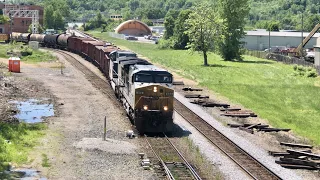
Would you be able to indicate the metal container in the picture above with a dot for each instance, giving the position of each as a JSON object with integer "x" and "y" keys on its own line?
{"x": 50, "y": 40}
{"x": 62, "y": 40}
{"x": 37, "y": 37}
{"x": 16, "y": 36}
{"x": 92, "y": 47}
{"x": 25, "y": 37}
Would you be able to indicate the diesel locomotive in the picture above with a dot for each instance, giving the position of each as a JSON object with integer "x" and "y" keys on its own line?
{"x": 144, "y": 90}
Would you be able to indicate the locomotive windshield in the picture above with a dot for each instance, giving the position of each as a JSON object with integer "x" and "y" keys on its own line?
{"x": 127, "y": 55}
{"x": 153, "y": 78}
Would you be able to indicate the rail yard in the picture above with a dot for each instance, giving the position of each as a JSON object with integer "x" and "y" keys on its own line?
{"x": 160, "y": 156}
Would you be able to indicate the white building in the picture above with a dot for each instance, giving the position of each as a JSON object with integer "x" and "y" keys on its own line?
{"x": 259, "y": 40}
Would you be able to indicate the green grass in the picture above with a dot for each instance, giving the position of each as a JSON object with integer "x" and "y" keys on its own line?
{"x": 35, "y": 57}
{"x": 17, "y": 140}
{"x": 270, "y": 89}
{"x": 45, "y": 161}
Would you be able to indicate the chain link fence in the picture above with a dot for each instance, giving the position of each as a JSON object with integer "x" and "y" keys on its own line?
{"x": 282, "y": 58}
{"x": 116, "y": 35}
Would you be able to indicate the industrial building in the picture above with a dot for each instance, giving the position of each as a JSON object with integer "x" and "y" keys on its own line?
{"x": 21, "y": 23}
{"x": 134, "y": 28}
{"x": 259, "y": 40}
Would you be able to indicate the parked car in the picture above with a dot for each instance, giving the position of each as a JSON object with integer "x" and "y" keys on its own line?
{"x": 130, "y": 38}
{"x": 147, "y": 36}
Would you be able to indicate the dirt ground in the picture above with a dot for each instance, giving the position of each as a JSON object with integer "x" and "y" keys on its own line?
{"x": 73, "y": 143}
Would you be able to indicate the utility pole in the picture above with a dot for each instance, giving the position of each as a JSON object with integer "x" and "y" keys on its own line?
{"x": 269, "y": 42}
{"x": 301, "y": 34}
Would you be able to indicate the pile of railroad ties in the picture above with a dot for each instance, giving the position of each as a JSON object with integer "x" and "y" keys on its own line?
{"x": 301, "y": 158}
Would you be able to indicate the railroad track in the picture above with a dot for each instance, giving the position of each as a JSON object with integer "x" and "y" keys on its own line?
{"x": 249, "y": 164}
{"x": 174, "y": 165}
{"x": 95, "y": 80}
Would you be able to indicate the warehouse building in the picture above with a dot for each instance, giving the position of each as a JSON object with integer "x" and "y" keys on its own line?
{"x": 259, "y": 40}
{"x": 21, "y": 24}
{"x": 133, "y": 28}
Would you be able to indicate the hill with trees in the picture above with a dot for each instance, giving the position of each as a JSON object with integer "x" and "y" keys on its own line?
{"x": 281, "y": 14}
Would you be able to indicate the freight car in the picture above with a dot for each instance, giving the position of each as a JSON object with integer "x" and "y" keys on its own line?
{"x": 4, "y": 37}
{"x": 144, "y": 89}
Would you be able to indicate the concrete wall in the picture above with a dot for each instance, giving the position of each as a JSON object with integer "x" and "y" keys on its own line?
{"x": 317, "y": 53}
{"x": 262, "y": 42}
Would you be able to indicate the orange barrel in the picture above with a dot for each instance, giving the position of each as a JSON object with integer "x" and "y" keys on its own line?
{"x": 16, "y": 64}
{"x": 10, "y": 64}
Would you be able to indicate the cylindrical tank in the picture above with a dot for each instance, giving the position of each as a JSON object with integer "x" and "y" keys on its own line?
{"x": 37, "y": 37}
{"x": 62, "y": 40}
{"x": 25, "y": 37}
{"x": 16, "y": 36}
{"x": 50, "y": 40}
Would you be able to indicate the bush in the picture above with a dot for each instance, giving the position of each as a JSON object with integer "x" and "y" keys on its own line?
{"x": 301, "y": 68}
{"x": 313, "y": 73}
{"x": 26, "y": 51}
{"x": 164, "y": 44}
{"x": 295, "y": 67}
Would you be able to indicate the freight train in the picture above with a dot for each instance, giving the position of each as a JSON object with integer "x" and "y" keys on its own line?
{"x": 144, "y": 90}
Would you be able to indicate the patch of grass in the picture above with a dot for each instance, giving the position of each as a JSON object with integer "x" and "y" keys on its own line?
{"x": 45, "y": 161}
{"x": 266, "y": 87}
{"x": 31, "y": 56}
{"x": 16, "y": 140}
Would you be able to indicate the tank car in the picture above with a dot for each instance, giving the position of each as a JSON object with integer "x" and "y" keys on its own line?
{"x": 51, "y": 40}
{"x": 37, "y": 37}
{"x": 62, "y": 41}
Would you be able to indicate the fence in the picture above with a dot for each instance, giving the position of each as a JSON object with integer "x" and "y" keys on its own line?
{"x": 116, "y": 35}
{"x": 282, "y": 58}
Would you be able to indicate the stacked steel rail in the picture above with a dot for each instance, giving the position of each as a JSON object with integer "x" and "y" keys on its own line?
{"x": 175, "y": 165}
{"x": 248, "y": 163}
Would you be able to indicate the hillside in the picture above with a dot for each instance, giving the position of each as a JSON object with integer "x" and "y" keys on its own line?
{"x": 287, "y": 13}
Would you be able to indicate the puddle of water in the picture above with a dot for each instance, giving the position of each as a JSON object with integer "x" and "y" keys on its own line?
{"x": 26, "y": 174}
{"x": 32, "y": 110}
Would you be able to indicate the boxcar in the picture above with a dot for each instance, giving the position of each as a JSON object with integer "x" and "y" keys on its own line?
{"x": 50, "y": 40}
{"x": 37, "y": 37}
{"x": 62, "y": 41}
{"x": 4, "y": 37}
{"x": 105, "y": 60}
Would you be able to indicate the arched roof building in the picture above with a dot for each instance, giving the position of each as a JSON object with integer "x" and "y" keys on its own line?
{"x": 134, "y": 28}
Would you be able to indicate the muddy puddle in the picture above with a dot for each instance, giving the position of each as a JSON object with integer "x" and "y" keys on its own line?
{"x": 33, "y": 110}
{"x": 25, "y": 174}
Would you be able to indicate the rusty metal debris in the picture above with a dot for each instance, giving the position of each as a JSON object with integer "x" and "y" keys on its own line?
{"x": 209, "y": 103}
{"x": 177, "y": 83}
{"x": 296, "y": 145}
{"x": 190, "y": 89}
{"x": 274, "y": 129}
{"x": 195, "y": 96}
{"x": 297, "y": 159}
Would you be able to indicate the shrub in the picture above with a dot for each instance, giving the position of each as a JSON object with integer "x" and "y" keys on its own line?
{"x": 313, "y": 73}
{"x": 26, "y": 51}
{"x": 309, "y": 68}
{"x": 295, "y": 67}
{"x": 301, "y": 68}
{"x": 164, "y": 44}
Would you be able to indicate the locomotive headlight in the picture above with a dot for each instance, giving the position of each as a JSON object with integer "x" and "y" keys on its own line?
{"x": 165, "y": 108}
{"x": 145, "y": 107}
{"x": 155, "y": 89}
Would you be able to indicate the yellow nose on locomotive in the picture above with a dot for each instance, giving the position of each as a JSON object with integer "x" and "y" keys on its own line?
{"x": 154, "y": 98}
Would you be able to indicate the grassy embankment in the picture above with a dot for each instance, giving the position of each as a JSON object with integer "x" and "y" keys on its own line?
{"x": 32, "y": 56}
{"x": 270, "y": 89}
{"x": 18, "y": 139}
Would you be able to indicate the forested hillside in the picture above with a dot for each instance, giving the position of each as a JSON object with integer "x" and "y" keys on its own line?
{"x": 285, "y": 13}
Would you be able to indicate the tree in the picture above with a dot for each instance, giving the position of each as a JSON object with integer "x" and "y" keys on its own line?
{"x": 169, "y": 23}
{"x": 233, "y": 13}
{"x": 58, "y": 20}
{"x": 181, "y": 39}
{"x": 204, "y": 29}
{"x": 273, "y": 26}
{"x": 48, "y": 20}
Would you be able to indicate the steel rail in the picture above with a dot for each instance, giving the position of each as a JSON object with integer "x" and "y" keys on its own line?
{"x": 167, "y": 171}
{"x": 193, "y": 171}
{"x": 249, "y": 164}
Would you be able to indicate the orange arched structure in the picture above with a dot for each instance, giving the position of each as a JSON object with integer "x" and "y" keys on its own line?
{"x": 134, "y": 28}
